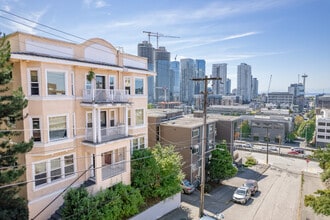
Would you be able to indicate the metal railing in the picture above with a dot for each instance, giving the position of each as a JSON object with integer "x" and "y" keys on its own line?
{"x": 107, "y": 134}
{"x": 114, "y": 169}
{"x": 105, "y": 95}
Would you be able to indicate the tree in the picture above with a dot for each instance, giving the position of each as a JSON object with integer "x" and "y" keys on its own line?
{"x": 12, "y": 104}
{"x": 157, "y": 171}
{"x": 221, "y": 164}
{"x": 245, "y": 129}
{"x": 321, "y": 203}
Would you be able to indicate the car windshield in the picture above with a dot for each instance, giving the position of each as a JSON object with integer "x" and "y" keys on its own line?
{"x": 240, "y": 192}
{"x": 186, "y": 183}
{"x": 248, "y": 184}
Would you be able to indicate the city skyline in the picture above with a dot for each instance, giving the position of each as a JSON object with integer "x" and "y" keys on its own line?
{"x": 282, "y": 38}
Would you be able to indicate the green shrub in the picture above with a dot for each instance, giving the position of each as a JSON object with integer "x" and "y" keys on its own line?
{"x": 250, "y": 161}
{"x": 325, "y": 175}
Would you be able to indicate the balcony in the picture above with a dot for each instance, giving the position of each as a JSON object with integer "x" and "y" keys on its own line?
{"x": 105, "y": 96}
{"x": 107, "y": 134}
{"x": 112, "y": 170}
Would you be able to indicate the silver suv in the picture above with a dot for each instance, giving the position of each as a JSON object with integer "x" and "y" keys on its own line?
{"x": 253, "y": 185}
{"x": 242, "y": 195}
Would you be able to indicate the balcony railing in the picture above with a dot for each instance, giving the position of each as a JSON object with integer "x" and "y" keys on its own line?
{"x": 112, "y": 170}
{"x": 107, "y": 134}
{"x": 105, "y": 95}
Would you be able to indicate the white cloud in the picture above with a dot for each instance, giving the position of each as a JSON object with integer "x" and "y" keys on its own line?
{"x": 96, "y": 4}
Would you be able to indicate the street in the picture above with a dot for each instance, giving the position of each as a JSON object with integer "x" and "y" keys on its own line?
{"x": 280, "y": 195}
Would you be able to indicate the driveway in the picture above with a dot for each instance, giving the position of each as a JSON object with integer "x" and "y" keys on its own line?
{"x": 280, "y": 197}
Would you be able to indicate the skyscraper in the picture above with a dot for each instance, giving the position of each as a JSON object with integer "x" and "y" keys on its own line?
{"x": 145, "y": 49}
{"x": 163, "y": 78}
{"x": 228, "y": 86}
{"x": 187, "y": 85}
{"x": 255, "y": 85}
{"x": 200, "y": 73}
{"x": 175, "y": 72}
{"x": 244, "y": 82}
{"x": 219, "y": 86}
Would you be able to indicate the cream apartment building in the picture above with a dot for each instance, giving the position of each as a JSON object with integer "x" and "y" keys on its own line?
{"x": 84, "y": 131}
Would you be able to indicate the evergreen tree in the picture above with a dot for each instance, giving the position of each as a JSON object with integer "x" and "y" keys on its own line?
{"x": 12, "y": 103}
{"x": 221, "y": 164}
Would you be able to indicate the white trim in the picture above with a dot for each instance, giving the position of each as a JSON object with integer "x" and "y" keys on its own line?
{"x": 29, "y": 80}
{"x": 48, "y": 171}
{"x": 40, "y": 128}
{"x": 77, "y": 63}
{"x": 67, "y": 127}
{"x": 65, "y": 82}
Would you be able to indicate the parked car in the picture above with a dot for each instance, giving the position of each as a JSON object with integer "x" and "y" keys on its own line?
{"x": 218, "y": 216}
{"x": 293, "y": 152}
{"x": 242, "y": 195}
{"x": 187, "y": 187}
{"x": 253, "y": 186}
{"x": 298, "y": 149}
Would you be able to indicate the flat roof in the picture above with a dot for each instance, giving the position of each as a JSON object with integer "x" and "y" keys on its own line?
{"x": 157, "y": 112}
{"x": 188, "y": 122}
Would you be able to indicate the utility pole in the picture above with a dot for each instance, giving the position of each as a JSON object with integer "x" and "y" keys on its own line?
{"x": 201, "y": 205}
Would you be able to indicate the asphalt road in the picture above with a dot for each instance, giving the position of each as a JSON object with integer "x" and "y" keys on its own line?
{"x": 280, "y": 197}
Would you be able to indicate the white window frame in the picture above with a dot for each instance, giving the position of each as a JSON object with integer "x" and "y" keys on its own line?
{"x": 40, "y": 128}
{"x": 143, "y": 86}
{"x": 49, "y": 181}
{"x": 128, "y": 78}
{"x": 143, "y": 115}
{"x": 67, "y": 127}
{"x": 29, "y": 81}
{"x": 114, "y": 82}
{"x": 138, "y": 144}
{"x": 65, "y": 80}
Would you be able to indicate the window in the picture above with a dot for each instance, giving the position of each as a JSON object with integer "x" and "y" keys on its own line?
{"x": 129, "y": 118}
{"x": 68, "y": 165}
{"x": 321, "y": 130}
{"x": 36, "y": 129}
{"x": 135, "y": 144}
{"x": 100, "y": 82}
{"x": 88, "y": 84}
{"x": 89, "y": 120}
{"x": 195, "y": 132}
{"x": 107, "y": 158}
{"x": 112, "y": 118}
{"x": 142, "y": 144}
{"x": 56, "y": 83}
{"x": 103, "y": 119}
{"x": 111, "y": 82}
{"x": 54, "y": 169}
{"x": 40, "y": 174}
{"x": 138, "y": 86}
{"x": 34, "y": 80}
{"x": 320, "y": 136}
{"x": 322, "y": 123}
{"x": 139, "y": 117}
{"x": 138, "y": 143}
{"x": 57, "y": 128}
{"x": 128, "y": 85}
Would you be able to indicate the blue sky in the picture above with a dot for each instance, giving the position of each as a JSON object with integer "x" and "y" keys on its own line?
{"x": 282, "y": 38}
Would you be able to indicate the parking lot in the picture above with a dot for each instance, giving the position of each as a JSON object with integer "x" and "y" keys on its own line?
{"x": 280, "y": 194}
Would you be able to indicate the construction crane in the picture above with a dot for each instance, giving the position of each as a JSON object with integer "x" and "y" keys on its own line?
{"x": 157, "y": 35}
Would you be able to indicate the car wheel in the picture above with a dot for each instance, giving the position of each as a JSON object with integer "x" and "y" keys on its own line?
{"x": 244, "y": 201}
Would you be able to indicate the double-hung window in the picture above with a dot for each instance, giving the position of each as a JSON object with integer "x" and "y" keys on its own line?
{"x": 127, "y": 85}
{"x": 34, "y": 82}
{"x": 139, "y": 86}
{"x": 112, "y": 82}
{"x": 139, "y": 117}
{"x": 57, "y": 128}
{"x": 56, "y": 83}
{"x": 53, "y": 169}
{"x": 36, "y": 133}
